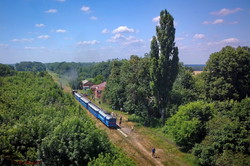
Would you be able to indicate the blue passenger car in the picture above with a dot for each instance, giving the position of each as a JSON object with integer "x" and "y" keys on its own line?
{"x": 107, "y": 119}
{"x": 84, "y": 101}
{"x": 110, "y": 121}
{"x": 77, "y": 96}
{"x": 102, "y": 115}
{"x": 93, "y": 109}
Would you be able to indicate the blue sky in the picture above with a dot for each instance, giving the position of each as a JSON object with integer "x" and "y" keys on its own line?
{"x": 98, "y": 30}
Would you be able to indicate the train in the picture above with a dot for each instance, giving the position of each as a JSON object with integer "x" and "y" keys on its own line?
{"x": 102, "y": 115}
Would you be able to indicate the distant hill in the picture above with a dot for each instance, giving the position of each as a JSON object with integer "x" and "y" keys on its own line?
{"x": 196, "y": 67}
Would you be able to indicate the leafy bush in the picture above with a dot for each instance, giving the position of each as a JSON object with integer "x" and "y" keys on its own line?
{"x": 228, "y": 138}
{"x": 187, "y": 126}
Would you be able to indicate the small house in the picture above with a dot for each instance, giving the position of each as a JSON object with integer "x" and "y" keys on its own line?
{"x": 86, "y": 84}
{"x": 98, "y": 89}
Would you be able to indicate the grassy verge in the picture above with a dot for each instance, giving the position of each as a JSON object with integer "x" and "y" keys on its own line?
{"x": 157, "y": 139}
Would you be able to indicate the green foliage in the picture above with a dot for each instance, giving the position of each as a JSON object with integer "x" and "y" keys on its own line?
{"x": 110, "y": 159}
{"x": 30, "y": 66}
{"x": 163, "y": 61}
{"x": 39, "y": 121}
{"x": 187, "y": 126}
{"x": 227, "y": 74}
{"x": 6, "y": 70}
{"x": 183, "y": 91}
{"x": 76, "y": 140}
{"x": 228, "y": 138}
{"x": 199, "y": 86}
{"x": 127, "y": 88}
{"x": 114, "y": 90}
{"x": 98, "y": 79}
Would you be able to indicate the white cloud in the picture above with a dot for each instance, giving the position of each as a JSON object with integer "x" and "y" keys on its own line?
{"x": 225, "y": 41}
{"x": 199, "y": 36}
{"x": 119, "y": 38}
{"x": 156, "y": 19}
{"x": 39, "y": 25}
{"x": 217, "y": 21}
{"x": 104, "y": 31}
{"x": 43, "y": 37}
{"x": 23, "y": 40}
{"x": 61, "y": 0}
{"x": 91, "y": 42}
{"x": 85, "y": 9}
{"x": 61, "y": 31}
{"x": 123, "y": 29}
{"x": 51, "y": 11}
{"x": 93, "y": 18}
{"x": 33, "y": 48}
{"x": 224, "y": 11}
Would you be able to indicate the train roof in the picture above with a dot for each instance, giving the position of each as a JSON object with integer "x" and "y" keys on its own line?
{"x": 106, "y": 114}
{"x": 102, "y": 113}
{"x": 110, "y": 117}
{"x": 85, "y": 99}
{"x": 77, "y": 95}
{"x": 94, "y": 107}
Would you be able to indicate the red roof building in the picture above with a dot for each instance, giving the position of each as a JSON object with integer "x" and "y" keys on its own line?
{"x": 97, "y": 89}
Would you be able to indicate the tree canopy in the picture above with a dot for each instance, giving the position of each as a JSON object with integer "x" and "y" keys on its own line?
{"x": 30, "y": 66}
{"x": 227, "y": 74}
{"x": 38, "y": 121}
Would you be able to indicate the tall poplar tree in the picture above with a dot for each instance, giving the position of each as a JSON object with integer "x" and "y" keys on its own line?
{"x": 164, "y": 61}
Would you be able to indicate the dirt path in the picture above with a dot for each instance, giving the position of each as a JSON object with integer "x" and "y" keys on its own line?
{"x": 135, "y": 141}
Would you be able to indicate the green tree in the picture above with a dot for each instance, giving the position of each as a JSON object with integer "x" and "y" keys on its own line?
{"x": 183, "y": 90}
{"x": 226, "y": 141}
{"x": 30, "y": 66}
{"x": 188, "y": 125}
{"x": 6, "y": 70}
{"x": 98, "y": 79}
{"x": 228, "y": 136}
{"x": 227, "y": 74}
{"x": 164, "y": 61}
{"x": 114, "y": 91}
{"x": 109, "y": 159}
{"x": 75, "y": 141}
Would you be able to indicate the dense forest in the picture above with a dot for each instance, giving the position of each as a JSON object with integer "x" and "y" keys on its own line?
{"x": 39, "y": 122}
